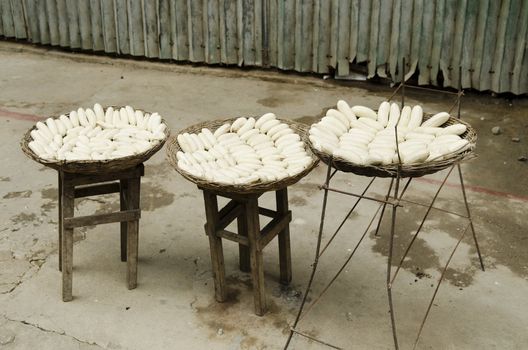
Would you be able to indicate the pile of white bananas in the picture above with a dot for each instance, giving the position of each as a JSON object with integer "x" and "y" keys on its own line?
{"x": 247, "y": 151}
{"x": 96, "y": 134}
{"x": 361, "y": 136}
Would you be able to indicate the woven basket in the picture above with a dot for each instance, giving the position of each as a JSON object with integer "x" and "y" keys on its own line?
{"x": 406, "y": 170}
{"x": 93, "y": 166}
{"x": 259, "y": 187}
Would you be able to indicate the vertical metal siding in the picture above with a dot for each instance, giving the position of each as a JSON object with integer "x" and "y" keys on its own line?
{"x": 487, "y": 38}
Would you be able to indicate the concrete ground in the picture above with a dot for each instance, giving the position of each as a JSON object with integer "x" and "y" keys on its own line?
{"x": 173, "y": 306}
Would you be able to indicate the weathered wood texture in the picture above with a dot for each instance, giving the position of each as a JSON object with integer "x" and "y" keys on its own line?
{"x": 250, "y": 237}
{"x": 123, "y": 188}
{"x": 72, "y": 186}
{"x": 243, "y": 250}
{"x": 487, "y": 38}
{"x": 255, "y": 255}
{"x": 66, "y": 211}
{"x": 215, "y": 244}
{"x": 132, "y": 205}
{"x": 284, "y": 238}
{"x": 98, "y": 219}
{"x": 60, "y": 219}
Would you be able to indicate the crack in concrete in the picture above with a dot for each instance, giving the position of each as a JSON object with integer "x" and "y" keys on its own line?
{"x": 62, "y": 333}
{"x": 14, "y": 287}
{"x": 193, "y": 308}
{"x": 19, "y": 282}
{"x": 34, "y": 263}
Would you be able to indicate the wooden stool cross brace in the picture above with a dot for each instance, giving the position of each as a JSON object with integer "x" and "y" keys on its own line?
{"x": 72, "y": 186}
{"x": 250, "y": 238}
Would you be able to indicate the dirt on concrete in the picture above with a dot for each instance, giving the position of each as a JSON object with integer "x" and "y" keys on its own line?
{"x": 174, "y": 305}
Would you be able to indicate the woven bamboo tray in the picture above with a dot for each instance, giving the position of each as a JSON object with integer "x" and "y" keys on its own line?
{"x": 93, "y": 166}
{"x": 406, "y": 170}
{"x": 258, "y": 187}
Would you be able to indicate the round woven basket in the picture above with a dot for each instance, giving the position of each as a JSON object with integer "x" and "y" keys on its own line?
{"x": 258, "y": 187}
{"x": 406, "y": 170}
{"x": 93, "y": 166}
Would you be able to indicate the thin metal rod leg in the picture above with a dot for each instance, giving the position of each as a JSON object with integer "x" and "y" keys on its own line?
{"x": 383, "y": 208}
{"x": 395, "y": 92}
{"x": 459, "y": 106}
{"x": 132, "y": 233}
{"x": 68, "y": 198}
{"x": 405, "y": 188}
{"x": 325, "y": 187}
{"x": 438, "y": 286}
{"x": 255, "y": 255}
{"x": 243, "y": 251}
{"x": 346, "y": 217}
{"x": 413, "y": 239}
{"x": 307, "y": 336}
{"x": 284, "y": 239}
{"x": 215, "y": 244}
{"x": 316, "y": 259}
{"x": 404, "y": 68}
{"x": 123, "y": 225}
{"x": 469, "y": 217}
{"x": 456, "y": 104}
{"x": 60, "y": 220}
{"x": 389, "y": 266}
{"x": 342, "y": 268}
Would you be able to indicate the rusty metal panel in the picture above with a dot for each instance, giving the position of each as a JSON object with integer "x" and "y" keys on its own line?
{"x": 96, "y": 19}
{"x": 73, "y": 25}
{"x": 151, "y": 21}
{"x": 53, "y": 21}
{"x": 7, "y": 19}
{"x": 520, "y": 71}
{"x": 164, "y": 29}
{"x": 85, "y": 24}
{"x": 486, "y": 39}
{"x": 179, "y": 30}
{"x": 286, "y": 34}
{"x": 62, "y": 16}
{"x": 19, "y": 20}
{"x": 136, "y": 30}
{"x": 108, "y": 13}
{"x": 212, "y": 32}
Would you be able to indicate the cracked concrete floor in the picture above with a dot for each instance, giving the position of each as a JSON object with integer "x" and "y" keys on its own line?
{"x": 173, "y": 306}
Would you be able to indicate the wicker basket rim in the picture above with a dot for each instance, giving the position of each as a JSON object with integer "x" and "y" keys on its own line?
{"x": 394, "y": 168}
{"x": 114, "y": 161}
{"x": 257, "y": 187}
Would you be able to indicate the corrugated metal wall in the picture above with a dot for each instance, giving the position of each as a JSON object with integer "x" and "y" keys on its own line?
{"x": 487, "y": 38}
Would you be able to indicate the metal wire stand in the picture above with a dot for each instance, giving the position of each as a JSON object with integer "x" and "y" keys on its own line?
{"x": 394, "y": 198}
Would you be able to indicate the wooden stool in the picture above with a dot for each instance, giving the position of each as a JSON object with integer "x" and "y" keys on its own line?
{"x": 250, "y": 238}
{"x": 73, "y": 185}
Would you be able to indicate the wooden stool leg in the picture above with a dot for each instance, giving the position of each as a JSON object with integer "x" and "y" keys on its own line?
{"x": 132, "y": 236}
{"x": 284, "y": 239}
{"x": 123, "y": 206}
{"x": 67, "y": 206}
{"x": 215, "y": 244}
{"x": 243, "y": 250}
{"x": 60, "y": 219}
{"x": 257, "y": 266}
